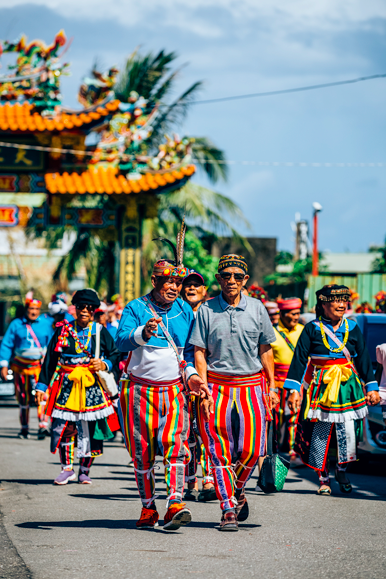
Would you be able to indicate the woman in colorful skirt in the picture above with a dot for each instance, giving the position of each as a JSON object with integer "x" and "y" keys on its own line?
{"x": 79, "y": 406}
{"x": 339, "y": 383}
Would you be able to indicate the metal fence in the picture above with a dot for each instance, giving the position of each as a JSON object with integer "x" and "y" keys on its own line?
{"x": 365, "y": 284}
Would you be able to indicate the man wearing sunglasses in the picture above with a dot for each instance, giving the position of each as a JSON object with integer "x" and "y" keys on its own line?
{"x": 156, "y": 329}
{"x": 232, "y": 339}
{"x": 77, "y": 402}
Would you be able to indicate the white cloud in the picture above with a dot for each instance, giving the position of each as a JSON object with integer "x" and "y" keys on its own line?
{"x": 193, "y": 16}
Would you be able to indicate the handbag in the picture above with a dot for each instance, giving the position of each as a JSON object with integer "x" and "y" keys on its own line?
{"x": 275, "y": 468}
{"x": 106, "y": 379}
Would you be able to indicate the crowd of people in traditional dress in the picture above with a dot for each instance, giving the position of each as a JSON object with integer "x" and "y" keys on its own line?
{"x": 195, "y": 379}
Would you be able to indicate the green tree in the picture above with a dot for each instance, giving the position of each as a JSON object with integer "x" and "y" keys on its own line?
{"x": 379, "y": 263}
{"x": 298, "y": 271}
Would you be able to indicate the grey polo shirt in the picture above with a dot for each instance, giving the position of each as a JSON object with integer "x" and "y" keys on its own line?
{"x": 232, "y": 336}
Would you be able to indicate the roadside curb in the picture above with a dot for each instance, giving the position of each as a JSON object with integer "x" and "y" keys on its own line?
{"x": 12, "y": 565}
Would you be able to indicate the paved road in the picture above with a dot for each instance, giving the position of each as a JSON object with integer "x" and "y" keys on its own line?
{"x": 89, "y": 531}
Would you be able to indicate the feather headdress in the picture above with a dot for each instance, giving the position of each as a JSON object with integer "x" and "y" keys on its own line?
{"x": 178, "y": 252}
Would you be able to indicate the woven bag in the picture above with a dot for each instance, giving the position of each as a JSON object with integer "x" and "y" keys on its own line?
{"x": 275, "y": 468}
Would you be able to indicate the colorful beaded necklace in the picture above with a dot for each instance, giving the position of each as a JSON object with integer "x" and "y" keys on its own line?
{"x": 325, "y": 341}
{"x": 81, "y": 348}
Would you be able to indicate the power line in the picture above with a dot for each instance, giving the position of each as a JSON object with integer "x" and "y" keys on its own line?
{"x": 289, "y": 90}
{"x": 212, "y": 161}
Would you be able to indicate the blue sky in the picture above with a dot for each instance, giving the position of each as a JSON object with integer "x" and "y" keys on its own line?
{"x": 252, "y": 46}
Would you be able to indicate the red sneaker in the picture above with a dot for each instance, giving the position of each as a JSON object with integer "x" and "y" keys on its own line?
{"x": 148, "y": 519}
{"x": 177, "y": 515}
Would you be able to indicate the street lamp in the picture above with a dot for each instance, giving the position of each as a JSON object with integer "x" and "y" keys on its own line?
{"x": 317, "y": 208}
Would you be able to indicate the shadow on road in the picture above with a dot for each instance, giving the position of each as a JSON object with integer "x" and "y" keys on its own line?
{"x": 106, "y": 497}
{"x": 28, "y": 481}
{"x": 92, "y": 524}
{"x": 110, "y": 524}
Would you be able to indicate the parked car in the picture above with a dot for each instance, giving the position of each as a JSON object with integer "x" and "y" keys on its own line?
{"x": 373, "y": 327}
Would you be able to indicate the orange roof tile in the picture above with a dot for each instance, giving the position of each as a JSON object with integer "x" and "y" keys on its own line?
{"x": 107, "y": 180}
{"x": 20, "y": 117}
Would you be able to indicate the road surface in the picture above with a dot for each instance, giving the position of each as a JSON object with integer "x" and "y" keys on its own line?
{"x": 89, "y": 531}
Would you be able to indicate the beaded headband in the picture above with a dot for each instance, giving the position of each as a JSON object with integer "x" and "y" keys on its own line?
{"x": 232, "y": 260}
{"x": 330, "y": 293}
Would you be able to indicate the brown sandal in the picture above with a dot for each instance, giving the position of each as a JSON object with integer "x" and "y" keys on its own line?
{"x": 324, "y": 490}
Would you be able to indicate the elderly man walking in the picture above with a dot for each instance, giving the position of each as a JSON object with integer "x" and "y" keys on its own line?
{"x": 232, "y": 338}
{"x": 156, "y": 329}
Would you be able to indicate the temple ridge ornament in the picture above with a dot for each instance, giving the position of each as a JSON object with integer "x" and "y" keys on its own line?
{"x": 36, "y": 75}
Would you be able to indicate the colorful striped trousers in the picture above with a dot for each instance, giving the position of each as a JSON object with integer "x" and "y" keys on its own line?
{"x": 197, "y": 450}
{"x": 234, "y": 437}
{"x": 25, "y": 379}
{"x": 156, "y": 421}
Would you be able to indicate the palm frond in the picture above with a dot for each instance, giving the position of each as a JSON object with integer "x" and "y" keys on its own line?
{"x": 144, "y": 74}
{"x": 210, "y": 158}
{"x": 174, "y": 113}
{"x": 68, "y": 265}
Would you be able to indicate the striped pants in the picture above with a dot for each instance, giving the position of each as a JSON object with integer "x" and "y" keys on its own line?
{"x": 197, "y": 450}
{"x": 156, "y": 420}
{"x": 234, "y": 437}
{"x": 24, "y": 384}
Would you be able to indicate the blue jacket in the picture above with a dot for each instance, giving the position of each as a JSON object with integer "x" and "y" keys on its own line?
{"x": 18, "y": 341}
{"x": 154, "y": 359}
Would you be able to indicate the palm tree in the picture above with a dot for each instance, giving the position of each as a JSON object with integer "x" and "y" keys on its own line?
{"x": 153, "y": 78}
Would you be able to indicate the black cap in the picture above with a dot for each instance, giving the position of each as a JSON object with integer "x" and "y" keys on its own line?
{"x": 86, "y": 296}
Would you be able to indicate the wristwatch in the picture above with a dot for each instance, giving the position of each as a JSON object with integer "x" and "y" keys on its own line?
{"x": 292, "y": 391}
{"x": 274, "y": 390}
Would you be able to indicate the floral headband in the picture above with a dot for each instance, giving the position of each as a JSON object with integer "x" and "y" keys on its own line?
{"x": 166, "y": 269}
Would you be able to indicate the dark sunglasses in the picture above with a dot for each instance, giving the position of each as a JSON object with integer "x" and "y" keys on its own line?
{"x": 237, "y": 276}
{"x": 88, "y": 307}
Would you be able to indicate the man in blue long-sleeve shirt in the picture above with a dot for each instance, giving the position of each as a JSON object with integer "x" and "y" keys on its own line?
{"x": 23, "y": 348}
{"x": 156, "y": 329}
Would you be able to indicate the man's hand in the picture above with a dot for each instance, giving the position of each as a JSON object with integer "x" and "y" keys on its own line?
{"x": 150, "y": 328}
{"x": 198, "y": 387}
{"x": 97, "y": 364}
{"x": 39, "y": 397}
{"x": 373, "y": 398}
{"x": 207, "y": 407}
{"x": 4, "y": 372}
{"x": 274, "y": 399}
{"x": 294, "y": 401}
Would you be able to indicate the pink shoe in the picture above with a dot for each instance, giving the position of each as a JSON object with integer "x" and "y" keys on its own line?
{"x": 83, "y": 479}
{"x": 65, "y": 477}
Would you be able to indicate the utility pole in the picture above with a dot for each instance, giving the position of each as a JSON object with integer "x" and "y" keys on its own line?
{"x": 315, "y": 254}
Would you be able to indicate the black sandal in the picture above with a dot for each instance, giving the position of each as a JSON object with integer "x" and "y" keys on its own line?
{"x": 207, "y": 495}
{"x": 345, "y": 486}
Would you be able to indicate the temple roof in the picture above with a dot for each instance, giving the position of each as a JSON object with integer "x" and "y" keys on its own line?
{"x": 20, "y": 117}
{"x": 107, "y": 180}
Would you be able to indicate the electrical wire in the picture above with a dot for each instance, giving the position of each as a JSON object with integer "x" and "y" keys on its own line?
{"x": 211, "y": 161}
{"x": 289, "y": 90}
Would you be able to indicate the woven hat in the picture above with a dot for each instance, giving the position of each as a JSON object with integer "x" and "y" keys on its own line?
{"x": 232, "y": 260}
